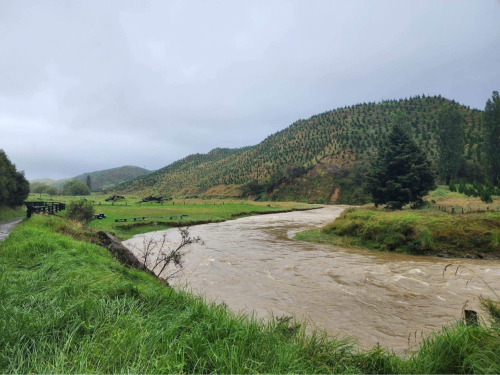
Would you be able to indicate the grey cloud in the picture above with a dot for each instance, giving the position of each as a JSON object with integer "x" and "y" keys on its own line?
{"x": 146, "y": 83}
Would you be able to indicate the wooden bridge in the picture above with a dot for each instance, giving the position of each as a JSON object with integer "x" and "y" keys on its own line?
{"x": 43, "y": 207}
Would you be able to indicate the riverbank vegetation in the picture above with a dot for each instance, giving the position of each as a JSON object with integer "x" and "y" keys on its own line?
{"x": 422, "y": 232}
{"x": 69, "y": 307}
{"x": 431, "y": 230}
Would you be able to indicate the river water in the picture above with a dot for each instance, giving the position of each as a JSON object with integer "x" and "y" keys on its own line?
{"x": 253, "y": 264}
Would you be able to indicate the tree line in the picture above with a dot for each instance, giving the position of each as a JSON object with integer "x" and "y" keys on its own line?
{"x": 73, "y": 187}
{"x": 14, "y": 188}
{"x": 401, "y": 173}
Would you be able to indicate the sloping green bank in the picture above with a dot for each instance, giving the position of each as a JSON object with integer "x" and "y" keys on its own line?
{"x": 423, "y": 232}
{"x": 10, "y": 213}
{"x": 68, "y": 307}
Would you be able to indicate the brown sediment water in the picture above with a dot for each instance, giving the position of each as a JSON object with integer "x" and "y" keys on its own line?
{"x": 253, "y": 264}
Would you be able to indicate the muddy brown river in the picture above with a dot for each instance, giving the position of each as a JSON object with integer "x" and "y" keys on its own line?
{"x": 253, "y": 264}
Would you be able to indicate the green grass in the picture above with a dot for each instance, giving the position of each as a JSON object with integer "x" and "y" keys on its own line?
{"x": 11, "y": 213}
{"x": 158, "y": 216}
{"x": 425, "y": 232}
{"x": 68, "y": 307}
{"x": 442, "y": 196}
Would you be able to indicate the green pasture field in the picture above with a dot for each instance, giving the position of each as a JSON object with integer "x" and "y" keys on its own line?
{"x": 442, "y": 196}
{"x": 168, "y": 214}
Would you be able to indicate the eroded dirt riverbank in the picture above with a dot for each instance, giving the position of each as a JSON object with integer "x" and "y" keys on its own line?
{"x": 253, "y": 264}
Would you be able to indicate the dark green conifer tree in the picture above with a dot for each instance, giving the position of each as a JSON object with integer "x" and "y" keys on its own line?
{"x": 491, "y": 132}
{"x": 401, "y": 172}
{"x": 450, "y": 141}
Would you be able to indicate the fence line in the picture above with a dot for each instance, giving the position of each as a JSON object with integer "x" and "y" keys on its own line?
{"x": 466, "y": 209}
{"x": 43, "y": 207}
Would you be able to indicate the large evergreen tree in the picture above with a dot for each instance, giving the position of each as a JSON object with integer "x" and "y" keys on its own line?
{"x": 401, "y": 172}
{"x": 450, "y": 141}
{"x": 491, "y": 130}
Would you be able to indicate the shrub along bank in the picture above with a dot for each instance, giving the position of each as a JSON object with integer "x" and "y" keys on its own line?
{"x": 423, "y": 232}
{"x": 69, "y": 307}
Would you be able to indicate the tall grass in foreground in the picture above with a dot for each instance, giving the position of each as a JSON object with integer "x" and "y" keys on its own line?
{"x": 67, "y": 306}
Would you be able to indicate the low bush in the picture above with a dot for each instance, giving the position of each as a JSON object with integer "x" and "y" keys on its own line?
{"x": 81, "y": 210}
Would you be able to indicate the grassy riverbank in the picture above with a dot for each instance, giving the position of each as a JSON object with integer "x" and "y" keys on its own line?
{"x": 174, "y": 213}
{"x": 425, "y": 232}
{"x": 11, "y": 213}
{"x": 68, "y": 307}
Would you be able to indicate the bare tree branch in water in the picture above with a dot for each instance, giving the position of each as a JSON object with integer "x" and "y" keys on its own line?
{"x": 156, "y": 255}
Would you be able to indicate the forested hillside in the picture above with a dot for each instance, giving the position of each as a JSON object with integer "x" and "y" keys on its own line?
{"x": 102, "y": 180}
{"x": 332, "y": 141}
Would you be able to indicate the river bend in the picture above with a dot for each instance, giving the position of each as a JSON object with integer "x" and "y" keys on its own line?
{"x": 253, "y": 264}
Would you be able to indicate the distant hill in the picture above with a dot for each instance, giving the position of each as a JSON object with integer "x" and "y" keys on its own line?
{"x": 339, "y": 138}
{"x": 49, "y": 181}
{"x": 101, "y": 180}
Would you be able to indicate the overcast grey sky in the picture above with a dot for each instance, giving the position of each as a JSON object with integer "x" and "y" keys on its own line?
{"x": 91, "y": 85}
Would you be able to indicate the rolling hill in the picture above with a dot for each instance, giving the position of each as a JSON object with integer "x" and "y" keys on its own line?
{"x": 101, "y": 180}
{"x": 340, "y": 138}
{"x": 49, "y": 181}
